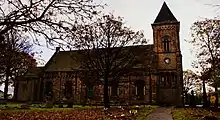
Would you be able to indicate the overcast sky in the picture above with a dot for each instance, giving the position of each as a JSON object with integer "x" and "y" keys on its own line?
{"x": 140, "y": 14}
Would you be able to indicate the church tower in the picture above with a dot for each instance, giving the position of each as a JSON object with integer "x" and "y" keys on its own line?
{"x": 169, "y": 59}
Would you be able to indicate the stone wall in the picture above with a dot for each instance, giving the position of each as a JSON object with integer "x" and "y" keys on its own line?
{"x": 127, "y": 90}
{"x": 59, "y": 80}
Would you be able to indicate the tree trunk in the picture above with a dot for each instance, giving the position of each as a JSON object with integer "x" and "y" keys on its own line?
{"x": 106, "y": 98}
{"x": 216, "y": 95}
{"x": 6, "y": 83}
{"x": 205, "y": 103}
{"x": 215, "y": 83}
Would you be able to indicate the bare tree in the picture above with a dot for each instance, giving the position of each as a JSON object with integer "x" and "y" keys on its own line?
{"x": 206, "y": 46}
{"x": 17, "y": 56}
{"x": 53, "y": 20}
{"x": 106, "y": 51}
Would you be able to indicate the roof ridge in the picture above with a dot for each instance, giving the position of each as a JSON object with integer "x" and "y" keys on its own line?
{"x": 105, "y": 48}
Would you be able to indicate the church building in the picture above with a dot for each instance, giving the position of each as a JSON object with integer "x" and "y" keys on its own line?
{"x": 161, "y": 83}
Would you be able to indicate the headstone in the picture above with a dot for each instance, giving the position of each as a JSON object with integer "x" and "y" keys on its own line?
{"x": 49, "y": 104}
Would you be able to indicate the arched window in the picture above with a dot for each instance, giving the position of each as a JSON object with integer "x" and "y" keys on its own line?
{"x": 68, "y": 89}
{"x": 165, "y": 80}
{"x": 48, "y": 88}
{"x": 166, "y": 43}
{"x": 140, "y": 86}
{"x": 114, "y": 89}
{"x": 90, "y": 91}
{"x": 174, "y": 80}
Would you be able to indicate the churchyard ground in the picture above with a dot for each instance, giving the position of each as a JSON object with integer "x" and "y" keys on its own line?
{"x": 78, "y": 112}
{"x": 195, "y": 114}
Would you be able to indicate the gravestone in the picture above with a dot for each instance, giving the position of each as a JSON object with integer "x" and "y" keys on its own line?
{"x": 49, "y": 104}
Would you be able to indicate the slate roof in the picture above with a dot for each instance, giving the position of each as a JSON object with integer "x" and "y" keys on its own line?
{"x": 68, "y": 60}
{"x": 165, "y": 15}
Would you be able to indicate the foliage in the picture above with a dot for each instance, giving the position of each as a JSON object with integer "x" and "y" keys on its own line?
{"x": 16, "y": 57}
{"x": 205, "y": 41}
{"x": 206, "y": 47}
{"x": 207, "y": 75}
{"x": 19, "y": 56}
{"x": 53, "y": 20}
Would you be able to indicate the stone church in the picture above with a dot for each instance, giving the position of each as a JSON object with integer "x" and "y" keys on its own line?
{"x": 60, "y": 77}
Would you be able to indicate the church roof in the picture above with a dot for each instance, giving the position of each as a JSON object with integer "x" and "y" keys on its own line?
{"x": 70, "y": 60}
{"x": 165, "y": 15}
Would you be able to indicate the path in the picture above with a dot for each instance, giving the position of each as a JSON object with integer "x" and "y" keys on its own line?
{"x": 161, "y": 113}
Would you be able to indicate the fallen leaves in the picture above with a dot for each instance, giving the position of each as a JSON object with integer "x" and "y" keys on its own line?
{"x": 70, "y": 114}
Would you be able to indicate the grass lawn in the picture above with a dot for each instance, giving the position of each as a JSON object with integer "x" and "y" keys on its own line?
{"x": 191, "y": 113}
{"x": 144, "y": 112}
{"x": 11, "y": 105}
{"x": 78, "y": 112}
{"x": 42, "y": 107}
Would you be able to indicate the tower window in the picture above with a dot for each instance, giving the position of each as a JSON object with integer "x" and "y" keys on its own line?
{"x": 168, "y": 80}
{"x": 165, "y": 80}
{"x": 166, "y": 43}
